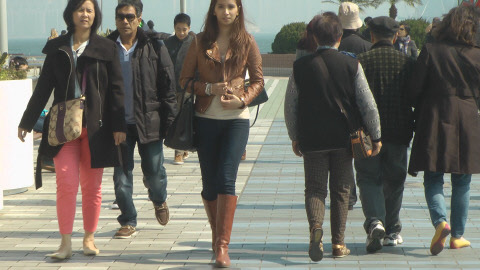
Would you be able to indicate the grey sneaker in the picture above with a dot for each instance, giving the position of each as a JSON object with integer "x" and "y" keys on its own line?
{"x": 375, "y": 237}
{"x": 392, "y": 239}
{"x": 125, "y": 232}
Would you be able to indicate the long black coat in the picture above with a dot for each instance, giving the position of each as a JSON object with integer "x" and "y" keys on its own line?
{"x": 104, "y": 110}
{"x": 447, "y": 132}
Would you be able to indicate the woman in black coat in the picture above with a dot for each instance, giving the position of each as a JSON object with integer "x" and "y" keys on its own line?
{"x": 444, "y": 90}
{"x": 76, "y": 62}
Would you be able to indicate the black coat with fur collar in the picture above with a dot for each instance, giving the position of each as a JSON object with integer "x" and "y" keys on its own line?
{"x": 104, "y": 110}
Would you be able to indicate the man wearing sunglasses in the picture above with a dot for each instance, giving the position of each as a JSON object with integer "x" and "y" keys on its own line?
{"x": 150, "y": 107}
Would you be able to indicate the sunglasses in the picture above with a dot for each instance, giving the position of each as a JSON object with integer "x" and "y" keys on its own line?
{"x": 402, "y": 29}
{"x": 130, "y": 17}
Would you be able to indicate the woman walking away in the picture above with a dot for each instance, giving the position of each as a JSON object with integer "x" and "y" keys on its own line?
{"x": 320, "y": 133}
{"x": 221, "y": 54}
{"x": 80, "y": 61}
{"x": 444, "y": 90}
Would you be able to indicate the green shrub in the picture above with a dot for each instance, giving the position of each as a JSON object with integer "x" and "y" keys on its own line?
{"x": 417, "y": 30}
{"x": 286, "y": 40}
{"x": 7, "y": 74}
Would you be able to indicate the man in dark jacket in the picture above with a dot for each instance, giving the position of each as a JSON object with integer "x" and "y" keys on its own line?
{"x": 150, "y": 107}
{"x": 177, "y": 46}
{"x": 381, "y": 178}
{"x": 353, "y": 43}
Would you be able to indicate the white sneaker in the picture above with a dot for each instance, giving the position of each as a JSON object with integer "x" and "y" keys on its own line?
{"x": 114, "y": 205}
{"x": 375, "y": 237}
{"x": 392, "y": 239}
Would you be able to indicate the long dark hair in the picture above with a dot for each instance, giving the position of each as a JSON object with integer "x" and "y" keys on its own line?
{"x": 460, "y": 25}
{"x": 74, "y": 5}
{"x": 238, "y": 37}
{"x": 307, "y": 42}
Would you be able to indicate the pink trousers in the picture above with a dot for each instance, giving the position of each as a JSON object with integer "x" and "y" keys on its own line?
{"x": 72, "y": 165}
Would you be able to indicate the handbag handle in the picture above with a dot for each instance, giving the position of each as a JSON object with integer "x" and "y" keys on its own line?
{"x": 192, "y": 81}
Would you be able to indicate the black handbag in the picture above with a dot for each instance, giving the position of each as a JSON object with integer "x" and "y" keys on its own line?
{"x": 181, "y": 134}
{"x": 261, "y": 98}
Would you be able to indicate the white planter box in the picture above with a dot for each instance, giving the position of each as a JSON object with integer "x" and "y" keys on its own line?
{"x": 16, "y": 158}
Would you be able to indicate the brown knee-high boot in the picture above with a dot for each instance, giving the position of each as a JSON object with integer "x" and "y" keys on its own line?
{"x": 211, "y": 209}
{"x": 225, "y": 213}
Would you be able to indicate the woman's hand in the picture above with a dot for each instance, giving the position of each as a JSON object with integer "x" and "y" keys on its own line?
{"x": 119, "y": 137}
{"x": 231, "y": 102}
{"x": 22, "y": 133}
{"x": 219, "y": 89}
{"x": 296, "y": 149}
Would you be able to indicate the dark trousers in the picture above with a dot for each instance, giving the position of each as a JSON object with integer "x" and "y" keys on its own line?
{"x": 220, "y": 147}
{"x": 381, "y": 180}
{"x": 154, "y": 176}
{"x": 318, "y": 166}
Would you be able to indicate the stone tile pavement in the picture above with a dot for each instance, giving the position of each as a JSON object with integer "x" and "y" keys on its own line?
{"x": 270, "y": 228}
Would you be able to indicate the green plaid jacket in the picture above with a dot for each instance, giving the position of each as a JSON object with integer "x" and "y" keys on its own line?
{"x": 388, "y": 71}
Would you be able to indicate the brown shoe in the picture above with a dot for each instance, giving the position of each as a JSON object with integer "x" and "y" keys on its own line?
{"x": 340, "y": 251}
{"x": 178, "y": 160}
{"x": 244, "y": 156}
{"x": 211, "y": 210}
{"x": 162, "y": 214}
{"x": 226, "y": 205}
{"x": 315, "y": 250}
{"x": 125, "y": 232}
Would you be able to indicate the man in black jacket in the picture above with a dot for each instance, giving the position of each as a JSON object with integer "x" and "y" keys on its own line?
{"x": 150, "y": 107}
{"x": 381, "y": 178}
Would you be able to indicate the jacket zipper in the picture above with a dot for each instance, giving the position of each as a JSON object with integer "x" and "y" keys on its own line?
{"x": 100, "y": 122}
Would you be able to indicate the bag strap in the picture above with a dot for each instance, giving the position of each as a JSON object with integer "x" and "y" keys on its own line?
{"x": 464, "y": 68}
{"x": 256, "y": 115}
{"x": 325, "y": 80}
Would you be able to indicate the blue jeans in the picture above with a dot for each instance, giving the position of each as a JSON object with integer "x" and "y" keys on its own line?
{"x": 381, "y": 181}
{"x": 154, "y": 177}
{"x": 433, "y": 183}
{"x": 220, "y": 147}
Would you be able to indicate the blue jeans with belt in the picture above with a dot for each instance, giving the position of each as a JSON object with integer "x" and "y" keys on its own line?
{"x": 433, "y": 183}
{"x": 154, "y": 176}
{"x": 220, "y": 147}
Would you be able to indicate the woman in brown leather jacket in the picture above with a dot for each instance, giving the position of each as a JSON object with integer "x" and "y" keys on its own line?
{"x": 221, "y": 55}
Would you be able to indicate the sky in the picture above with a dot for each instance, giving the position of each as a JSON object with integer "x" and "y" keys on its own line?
{"x": 35, "y": 18}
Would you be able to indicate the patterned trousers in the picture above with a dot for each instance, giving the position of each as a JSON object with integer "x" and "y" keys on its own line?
{"x": 318, "y": 167}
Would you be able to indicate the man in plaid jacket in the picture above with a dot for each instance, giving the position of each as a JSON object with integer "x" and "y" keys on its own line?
{"x": 381, "y": 178}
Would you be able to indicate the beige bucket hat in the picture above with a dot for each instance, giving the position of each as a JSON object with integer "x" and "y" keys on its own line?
{"x": 348, "y": 13}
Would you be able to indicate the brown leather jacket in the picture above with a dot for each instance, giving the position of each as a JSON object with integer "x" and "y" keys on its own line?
{"x": 211, "y": 70}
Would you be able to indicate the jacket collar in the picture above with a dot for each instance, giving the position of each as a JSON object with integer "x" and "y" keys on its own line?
{"x": 382, "y": 43}
{"x": 95, "y": 49}
{"x": 142, "y": 37}
{"x": 214, "y": 53}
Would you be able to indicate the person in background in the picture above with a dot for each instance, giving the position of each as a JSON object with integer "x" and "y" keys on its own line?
{"x": 352, "y": 40}
{"x": 221, "y": 55}
{"x": 430, "y": 28}
{"x": 150, "y": 25}
{"x": 404, "y": 43}
{"x": 18, "y": 63}
{"x": 177, "y": 46}
{"x": 353, "y": 43}
{"x": 53, "y": 34}
{"x": 444, "y": 91}
{"x": 366, "y": 32}
{"x": 381, "y": 178}
{"x": 84, "y": 56}
{"x": 150, "y": 108}
{"x": 325, "y": 151}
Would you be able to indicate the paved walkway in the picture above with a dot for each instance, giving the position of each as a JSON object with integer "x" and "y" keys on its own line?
{"x": 270, "y": 228}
